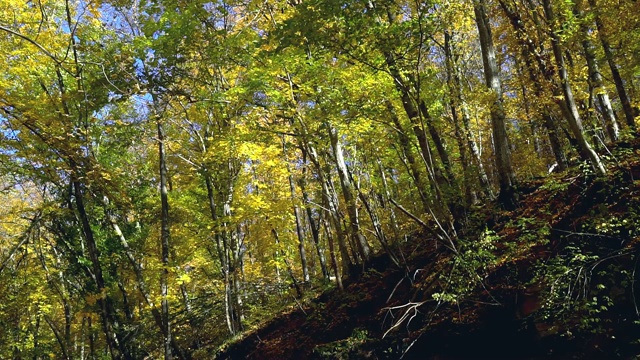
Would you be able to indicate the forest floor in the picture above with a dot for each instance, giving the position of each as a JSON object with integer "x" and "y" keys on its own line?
{"x": 554, "y": 278}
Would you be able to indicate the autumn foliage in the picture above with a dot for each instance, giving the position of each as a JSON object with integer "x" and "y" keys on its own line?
{"x": 173, "y": 173}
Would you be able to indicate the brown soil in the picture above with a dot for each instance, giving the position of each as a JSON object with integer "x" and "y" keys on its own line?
{"x": 389, "y": 313}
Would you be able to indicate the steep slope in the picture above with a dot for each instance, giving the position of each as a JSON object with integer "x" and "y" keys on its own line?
{"x": 555, "y": 277}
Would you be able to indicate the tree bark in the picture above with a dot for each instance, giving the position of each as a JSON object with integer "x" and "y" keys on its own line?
{"x": 114, "y": 344}
{"x": 528, "y": 48}
{"x": 164, "y": 241}
{"x": 377, "y": 226}
{"x": 349, "y": 197}
{"x": 596, "y": 82}
{"x": 463, "y": 133}
{"x": 405, "y": 145}
{"x": 141, "y": 283}
{"x": 443, "y": 211}
{"x": 332, "y": 255}
{"x": 315, "y": 227}
{"x": 630, "y": 112}
{"x": 330, "y": 200}
{"x": 573, "y": 117}
{"x": 506, "y": 176}
{"x": 299, "y": 230}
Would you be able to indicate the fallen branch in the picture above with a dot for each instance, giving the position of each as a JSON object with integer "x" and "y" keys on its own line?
{"x": 448, "y": 244}
{"x": 409, "y": 311}
{"x": 414, "y": 218}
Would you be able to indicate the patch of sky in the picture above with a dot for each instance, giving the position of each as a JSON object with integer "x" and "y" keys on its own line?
{"x": 515, "y": 123}
{"x": 219, "y": 11}
{"x": 7, "y": 132}
{"x": 112, "y": 96}
{"x": 309, "y": 104}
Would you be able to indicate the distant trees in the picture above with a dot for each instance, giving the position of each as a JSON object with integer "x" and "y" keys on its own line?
{"x": 164, "y": 163}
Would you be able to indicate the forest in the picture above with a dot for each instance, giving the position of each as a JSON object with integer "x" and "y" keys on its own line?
{"x": 174, "y": 174}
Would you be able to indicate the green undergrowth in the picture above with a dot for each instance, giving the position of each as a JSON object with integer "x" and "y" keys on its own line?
{"x": 555, "y": 277}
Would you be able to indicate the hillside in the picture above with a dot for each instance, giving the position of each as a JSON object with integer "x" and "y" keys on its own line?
{"x": 318, "y": 178}
{"x": 553, "y": 278}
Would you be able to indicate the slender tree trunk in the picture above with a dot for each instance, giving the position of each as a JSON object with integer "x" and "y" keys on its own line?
{"x": 332, "y": 255}
{"x": 470, "y": 194}
{"x": 59, "y": 337}
{"x": 506, "y": 176}
{"x": 528, "y": 49}
{"x": 422, "y": 121}
{"x": 605, "y": 108}
{"x": 442, "y": 211}
{"x": 125, "y": 299}
{"x": 140, "y": 282}
{"x": 236, "y": 278}
{"x": 299, "y": 231}
{"x": 288, "y": 266}
{"x": 349, "y": 198}
{"x": 92, "y": 339}
{"x": 575, "y": 123}
{"x": 164, "y": 242}
{"x": 629, "y": 112}
{"x": 66, "y": 306}
{"x": 221, "y": 250}
{"x": 405, "y": 144}
{"x": 377, "y": 226}
{"x": 463, "y": 133}
{"x": 115, "y": 346}
{"x": 596, "y": 82}
{"x": 230, "y": 249}
{"x": 331, "y": 205}
{"x": 315, "y": 232}
{"x": 387, "y": 203}
{"x": 438, "y": 142}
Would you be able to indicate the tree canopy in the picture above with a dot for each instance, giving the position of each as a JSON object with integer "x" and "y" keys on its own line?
{"x": 168, "y": 166}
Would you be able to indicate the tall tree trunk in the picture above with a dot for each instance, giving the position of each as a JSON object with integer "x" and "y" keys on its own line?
{"x": 387, "y": 203}
{"x": 407, "y": 150}
{"x": 377, "y": 226}
{"x": 315, "y": 227}
{"x": 299, "y": 229}
{"x": 288, "y": 266}
{"x": 221, "y": 251}
{"x": 56, "y": 333}
{"x": 629, "y": 111}
{"x": 164, "y": 241}
{"x": 140, "y": 282}
{"x": 463, "y": 133}
{"x": 116, "y": 348}
{"x": 435, "y": 178}
{"x": 573, "y": 117}
{"x": 330, "y": 202}
{"x": 421, "y": 121}
{"x": 349, "y": 198}
{"x": 506, "y": 176}
{"x": 528, "y": 49}
{"x": 66, "y": 306}
{"x": 332, "y": 254}
{"x": 236, "y": 277}
{"x": 92, "y": 339}
{"x": 596, "y": 82}
{"x": 233, "y": 260}
{"x": 438, "y": 142}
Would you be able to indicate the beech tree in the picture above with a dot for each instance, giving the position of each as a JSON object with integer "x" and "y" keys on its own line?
{"x": 169, "y": 166}
{"x": 506, "y": 176}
